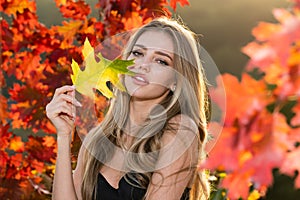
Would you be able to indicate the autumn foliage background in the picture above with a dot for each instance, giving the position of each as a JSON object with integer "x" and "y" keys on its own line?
{"x": 261, "y": 131}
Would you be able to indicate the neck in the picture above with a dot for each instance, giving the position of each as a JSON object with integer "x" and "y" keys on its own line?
{"x": 139, "y": 111}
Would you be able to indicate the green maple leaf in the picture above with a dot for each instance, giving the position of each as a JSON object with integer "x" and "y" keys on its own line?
{"x": 97, "y": 74}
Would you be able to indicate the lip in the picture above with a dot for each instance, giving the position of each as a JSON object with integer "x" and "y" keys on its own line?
{"x": 140, "y": 79}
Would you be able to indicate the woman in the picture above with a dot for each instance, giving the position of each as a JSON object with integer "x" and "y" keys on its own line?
{"x": 152, "y": 138}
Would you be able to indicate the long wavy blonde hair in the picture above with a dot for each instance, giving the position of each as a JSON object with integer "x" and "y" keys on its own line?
{"x": 191, "y": 101}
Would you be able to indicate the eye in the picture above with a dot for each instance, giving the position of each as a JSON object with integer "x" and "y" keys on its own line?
{"x": 136, "y": 53}
{"x": 162, "y": 62}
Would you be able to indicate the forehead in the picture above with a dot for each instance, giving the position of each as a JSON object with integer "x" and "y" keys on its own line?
{"x": 156, "y": 40}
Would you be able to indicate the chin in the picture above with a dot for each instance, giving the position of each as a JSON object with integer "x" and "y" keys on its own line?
{"x": 149, "y": 94}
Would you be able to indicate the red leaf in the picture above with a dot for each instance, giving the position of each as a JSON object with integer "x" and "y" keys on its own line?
{"x": 29, "y": 108}
{"x": 3, "y": 109}
{"x": 270, "y": 149}
{"x": 297, "y": 3}
{"x": 181, "y": 2}
{"x": 4, "y": 158}
{"x": 238, "y": 185}
{"x": 291, "y": 164}
{"x": 265, "y": 31}
{"x": 277, "y": 40}
{"x": 261, "y": 55}
{"x": 296, "y": 119}
{"x": 249, "y": 94}
{"x": 77, "y": 10}
{"x": 218, "y": 157}
{"x": 295, "y": 135}
{"x": 38, "y": 151}
{"x": 5, "y": 134}
{"x": 16, "y": 160}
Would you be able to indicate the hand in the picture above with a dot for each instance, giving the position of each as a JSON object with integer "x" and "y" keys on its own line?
{"x": 62, "y": 110}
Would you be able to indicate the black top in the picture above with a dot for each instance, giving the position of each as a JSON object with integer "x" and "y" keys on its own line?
{"x": 125, "y": 191}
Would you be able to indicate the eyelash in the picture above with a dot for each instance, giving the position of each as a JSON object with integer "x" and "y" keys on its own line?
{"x": 137, "y": 53}
{"x": 162, "y": 62}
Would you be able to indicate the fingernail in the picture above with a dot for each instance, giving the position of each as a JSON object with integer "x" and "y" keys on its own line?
{"x": 73, "y": 86}
{"x": 78, "y": 103}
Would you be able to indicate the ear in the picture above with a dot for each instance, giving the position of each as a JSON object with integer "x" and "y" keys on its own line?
{"x": 173, "y": 87}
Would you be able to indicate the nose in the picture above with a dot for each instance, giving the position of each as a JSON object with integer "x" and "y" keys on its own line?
{"x": 140, "y": 67}
{"x": 144, "y": 67}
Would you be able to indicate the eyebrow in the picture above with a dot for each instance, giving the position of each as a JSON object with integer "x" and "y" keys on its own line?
{"x": 157, "y": 52}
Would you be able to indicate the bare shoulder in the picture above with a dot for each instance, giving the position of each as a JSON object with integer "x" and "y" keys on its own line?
{"x": 177, "y": 159}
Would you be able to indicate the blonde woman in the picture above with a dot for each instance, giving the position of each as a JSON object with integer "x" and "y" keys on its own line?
{"x": 152, "y": 138}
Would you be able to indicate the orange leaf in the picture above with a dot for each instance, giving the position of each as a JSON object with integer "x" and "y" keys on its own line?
{"x": 60, "y": 2}
{"x": 238, "y": 185}
{"x": 16, "y": 160}
{"x": 68, "y": 30}
{"x": 78, "y": 10}
{"x": 28, "y": 67}
{"x": 291, "y": 164}
{"x": 133, "y": 21}
{"x": 249, "y": 94}
{"x": 37, "y": 165}
{"x": 16, "y": 144}
{"x": 18, "y": 6}
{"x": 49, "y": 141}
{"x": 224, "y": 158}
{"x": 264, "y": 31}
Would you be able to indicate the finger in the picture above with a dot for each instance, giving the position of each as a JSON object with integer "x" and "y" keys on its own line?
{"x": 62, "y": 108}
{"x": 70, "y": 99}
{"x": 49, "y": 110}
{"x": 70, "y": 122}
{"x": 63, "y": 89}
{"x": 71, "y": 93}
{"x": 68, "y": 109}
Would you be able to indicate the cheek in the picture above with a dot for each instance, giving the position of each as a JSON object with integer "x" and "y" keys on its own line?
{"x": 153, "y": 90}
{"x": 129, "y": 85}
{"x": 126, "y": 81}
{"x": 164, "y": 78}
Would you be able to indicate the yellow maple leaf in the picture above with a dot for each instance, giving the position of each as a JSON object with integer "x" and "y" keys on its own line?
{"x": 97, "y": 74}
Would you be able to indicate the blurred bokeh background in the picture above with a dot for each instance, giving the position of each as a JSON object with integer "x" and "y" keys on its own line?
{"x": 225, "y": 25}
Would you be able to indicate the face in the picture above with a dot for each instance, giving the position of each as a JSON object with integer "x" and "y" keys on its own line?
{"x": 153, "y": 55}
